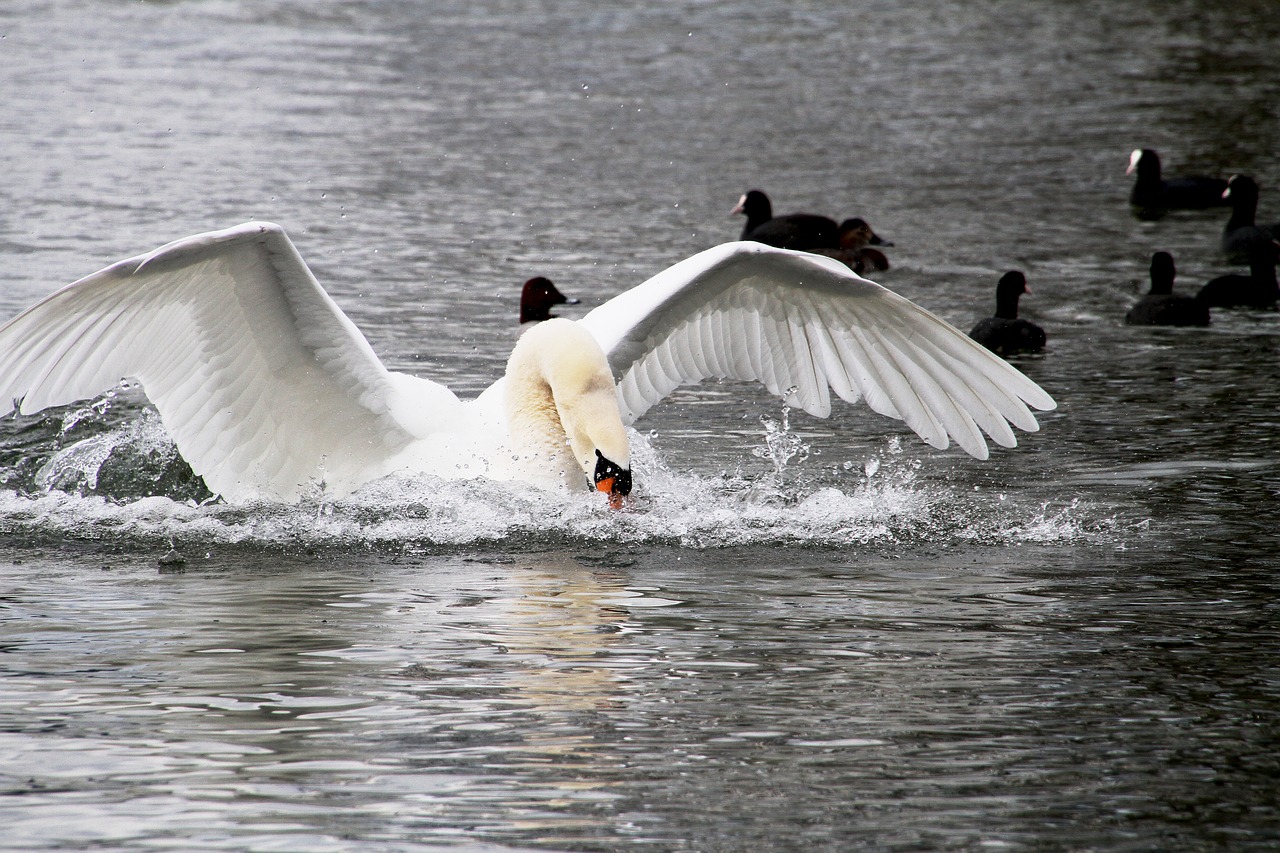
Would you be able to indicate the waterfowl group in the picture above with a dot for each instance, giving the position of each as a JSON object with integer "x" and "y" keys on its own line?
{"x": 847, "y": 241}
{"x": 1004, "y": 333}
{"x": 1243, "y": 241}
{"x": 271, "y": 393}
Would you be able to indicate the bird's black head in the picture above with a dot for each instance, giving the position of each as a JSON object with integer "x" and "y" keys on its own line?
{"x": 1011, "y": 285}
{"x": 612, "y": 479}
{"x": 1162, "y": 272}
{"x": 754, "y": 204}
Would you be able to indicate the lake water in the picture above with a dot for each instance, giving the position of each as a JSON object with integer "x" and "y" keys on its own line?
{"x": 868, "y": 645}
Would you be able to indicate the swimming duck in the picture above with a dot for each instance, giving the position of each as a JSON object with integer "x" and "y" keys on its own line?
{"x": 1161, "y": 306}
{"x": 803, "y": 231}
{"x": 1241, "y": 233}
{"x": 271, "y": 393}
{"x": 1005, "y": 333}
{"x": 1153, "y": 196}
{"x": 1258, "y": 289}
{"x": 856, "y": 239}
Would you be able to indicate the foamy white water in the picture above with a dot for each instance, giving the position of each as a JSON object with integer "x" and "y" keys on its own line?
{"x": 881, "y": 500}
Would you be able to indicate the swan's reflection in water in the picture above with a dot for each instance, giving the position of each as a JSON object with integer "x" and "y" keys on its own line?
{"x": 511, "y": 693}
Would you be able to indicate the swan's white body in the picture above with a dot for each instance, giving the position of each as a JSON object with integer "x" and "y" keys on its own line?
{"x": 271, "y": 392}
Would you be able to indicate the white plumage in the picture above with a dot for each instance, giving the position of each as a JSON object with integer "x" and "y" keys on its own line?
{"x": 269, "y": 390}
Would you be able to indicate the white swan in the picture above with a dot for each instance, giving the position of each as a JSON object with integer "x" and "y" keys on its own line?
{"x": 271, "y": 392}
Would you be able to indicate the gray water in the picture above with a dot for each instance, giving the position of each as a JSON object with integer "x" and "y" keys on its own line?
{"x": 867, "y": 645}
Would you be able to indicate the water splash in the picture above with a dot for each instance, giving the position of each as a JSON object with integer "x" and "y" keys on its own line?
{"x": 782, "y": 448}
{"x": 136, "y": 459}
{"x": 119, "y": 483}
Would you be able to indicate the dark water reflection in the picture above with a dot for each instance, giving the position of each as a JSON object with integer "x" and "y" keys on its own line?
{"x": 649, "y": 699}
{"x": 1071, "y": 646}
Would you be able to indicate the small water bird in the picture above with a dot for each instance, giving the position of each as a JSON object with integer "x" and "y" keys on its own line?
{"x": 271, "y": 393}
{"x": 1161, "y": 306}
{"x": 856, "y": 239}
{"x": 1153, "y": 195}
{"x": 1004, "y": 333}
{"x": 803, "y": 231}
{"x": 1258, "y": 289}
{"x": 1242, "y": 233}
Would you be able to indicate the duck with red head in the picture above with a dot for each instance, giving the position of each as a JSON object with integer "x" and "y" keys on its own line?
{"x": 537, "y": 299}
{"x": 855, "y": 252}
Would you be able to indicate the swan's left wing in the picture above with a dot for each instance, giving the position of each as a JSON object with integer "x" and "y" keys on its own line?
{"x": 267, "y": 388}
{"x": 803, "y": 324}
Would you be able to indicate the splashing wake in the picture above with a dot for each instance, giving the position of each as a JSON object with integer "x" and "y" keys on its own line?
{"x": 96, "y": 473}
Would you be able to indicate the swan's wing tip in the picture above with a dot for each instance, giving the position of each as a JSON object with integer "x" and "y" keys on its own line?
{"x": 1035, "y": 396}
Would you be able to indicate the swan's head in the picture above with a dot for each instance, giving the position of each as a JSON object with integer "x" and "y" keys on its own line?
{"x": 560, "y": 392}
{"x": 612, "y": 479}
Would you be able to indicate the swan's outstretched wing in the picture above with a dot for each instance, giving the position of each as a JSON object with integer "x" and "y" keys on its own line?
{"x": 796, "y": 320}
{"x": 267, "y": 388}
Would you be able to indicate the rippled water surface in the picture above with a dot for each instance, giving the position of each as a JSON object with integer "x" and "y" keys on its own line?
{"x": 840, "y": 639}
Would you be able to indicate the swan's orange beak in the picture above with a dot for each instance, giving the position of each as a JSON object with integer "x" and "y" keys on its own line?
{"x": 612, "y": 479}
{"x": 607, "y": 486}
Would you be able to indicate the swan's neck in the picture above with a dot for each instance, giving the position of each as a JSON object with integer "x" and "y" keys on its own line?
{"x": 562, "y": 405}
{"x": 538, "y": 439}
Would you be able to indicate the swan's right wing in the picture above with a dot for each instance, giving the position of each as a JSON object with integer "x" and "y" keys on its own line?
{"x": 267, "y": 388}
{"x": 802, "y": 324}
